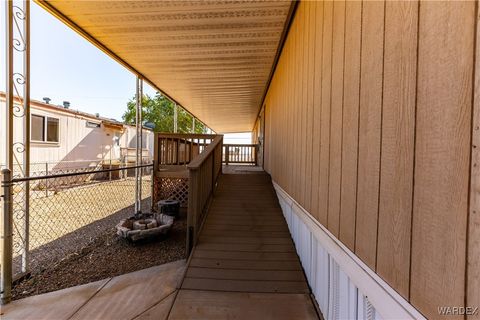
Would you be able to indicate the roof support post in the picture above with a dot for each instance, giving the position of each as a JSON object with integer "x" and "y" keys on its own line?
{"x": 193, "y": 124}
{"x": 26, "y": 136}
{"x": 138, "y": 146}
{"x": 9, "y": 85}
{"x": 7, "y": 238}
{"x": 17, "y": 145}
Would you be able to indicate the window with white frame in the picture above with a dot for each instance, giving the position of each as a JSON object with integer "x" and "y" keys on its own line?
{"x": 44, "y": 129}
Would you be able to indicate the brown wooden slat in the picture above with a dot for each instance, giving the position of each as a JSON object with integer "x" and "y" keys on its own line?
{"x": 212, "y": 226}
{"x": 227, "y": 212}
{"x": 246, "y": 221}
{"x": 251, "y": 240}
{"x": 245, "y": 285}
{"x": 245, "y": 264}
{"x": 232, "y": 204}
{"x": 239, "y": 274}
{"x": 240, "y": 247}
{"x": 195, "y": 304}
{"x": 254, "y": 256}
{"x": 247, "y": 234}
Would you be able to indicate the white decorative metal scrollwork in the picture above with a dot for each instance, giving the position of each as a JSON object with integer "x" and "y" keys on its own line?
{"x": 18, "y": 108}
{"x": 19, "y": 16}
{"x": 18, "y": 141}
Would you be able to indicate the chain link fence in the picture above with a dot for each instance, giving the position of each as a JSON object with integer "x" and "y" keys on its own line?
{"x": 43, "y": 168}
{"x": 68, "y": 210}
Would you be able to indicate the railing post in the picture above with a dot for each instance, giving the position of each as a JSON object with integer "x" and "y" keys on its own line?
{"x": 213, "y": 171}
{"x": 6, "y": 237}
{"x": 192, "y": 211}
{"x": 190, "y": 152}
{"x": 227, "y": 154}
{"x": 256, "y": 154}
{"x": 175, "y": 118}
{"x": 138, "y": 146}
{"x": 156, "y": 158}
{"x": 152, "y": 192}
{"x": 177, "y": 150}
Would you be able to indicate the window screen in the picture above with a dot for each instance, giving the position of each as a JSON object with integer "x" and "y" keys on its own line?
{"x": 38, "y": 128}
{"x": 52, "y": 130}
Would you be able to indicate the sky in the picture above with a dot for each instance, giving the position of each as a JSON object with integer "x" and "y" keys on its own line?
{"x": 66, "y": 67}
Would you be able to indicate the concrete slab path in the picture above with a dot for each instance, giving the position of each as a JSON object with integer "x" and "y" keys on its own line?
{"x": 129, "y": 296}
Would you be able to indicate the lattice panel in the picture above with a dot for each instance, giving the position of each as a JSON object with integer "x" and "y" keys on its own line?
{"x": 172, "y": 189}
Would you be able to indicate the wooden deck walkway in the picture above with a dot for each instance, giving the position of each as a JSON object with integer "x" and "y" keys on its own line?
{"x": 244, "y": 265}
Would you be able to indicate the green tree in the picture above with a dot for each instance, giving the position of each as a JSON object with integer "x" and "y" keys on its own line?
{"x": 158, "y": 110}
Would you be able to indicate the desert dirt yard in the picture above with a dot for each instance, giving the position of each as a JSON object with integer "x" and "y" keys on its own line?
{"x": 63, "y": 212}
{"x": 73, "y": 238}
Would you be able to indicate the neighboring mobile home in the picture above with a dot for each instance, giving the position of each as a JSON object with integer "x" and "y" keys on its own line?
{"x": 65, "y": 139}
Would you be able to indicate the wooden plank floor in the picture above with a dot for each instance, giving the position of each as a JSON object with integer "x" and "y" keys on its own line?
{"x": 244, "y": 255}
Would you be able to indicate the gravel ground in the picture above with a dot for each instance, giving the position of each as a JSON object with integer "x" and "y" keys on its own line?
{"x": 105, "y": 256}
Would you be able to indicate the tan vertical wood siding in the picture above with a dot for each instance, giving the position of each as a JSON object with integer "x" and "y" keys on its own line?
{"x": 369, "y": 128}
{"x": 351, "y": 96}
{"x": 310, "y": 26}
{"x": 336, "y": 117}
{"x": 398, "y": 133}
{"x": 473, "y": 254}
{"x": 369, "y": 134}
{"x": 326, "y": 90}
{"x": 442, "y": 152}
{"x": 316, "y": 114}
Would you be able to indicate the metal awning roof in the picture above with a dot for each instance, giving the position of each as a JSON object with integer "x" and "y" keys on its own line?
{"x": 212, "y": 57}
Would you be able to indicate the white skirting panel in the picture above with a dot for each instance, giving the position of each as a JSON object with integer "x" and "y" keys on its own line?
{"x": 344, "y": 287}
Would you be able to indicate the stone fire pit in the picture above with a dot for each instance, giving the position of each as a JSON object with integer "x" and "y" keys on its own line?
{"x": 147, "y": 226}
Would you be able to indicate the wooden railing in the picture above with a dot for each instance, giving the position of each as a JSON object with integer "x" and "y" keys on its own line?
{"x": 204, "y": 171}
{"x": 196, "y": 157}
{"x": 179, "y": 149}
{"x": 240, "y": 153}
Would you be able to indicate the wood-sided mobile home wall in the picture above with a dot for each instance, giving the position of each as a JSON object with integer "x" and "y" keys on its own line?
{"x": 369, "y": 123}
{"x": 78, "y": 146}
